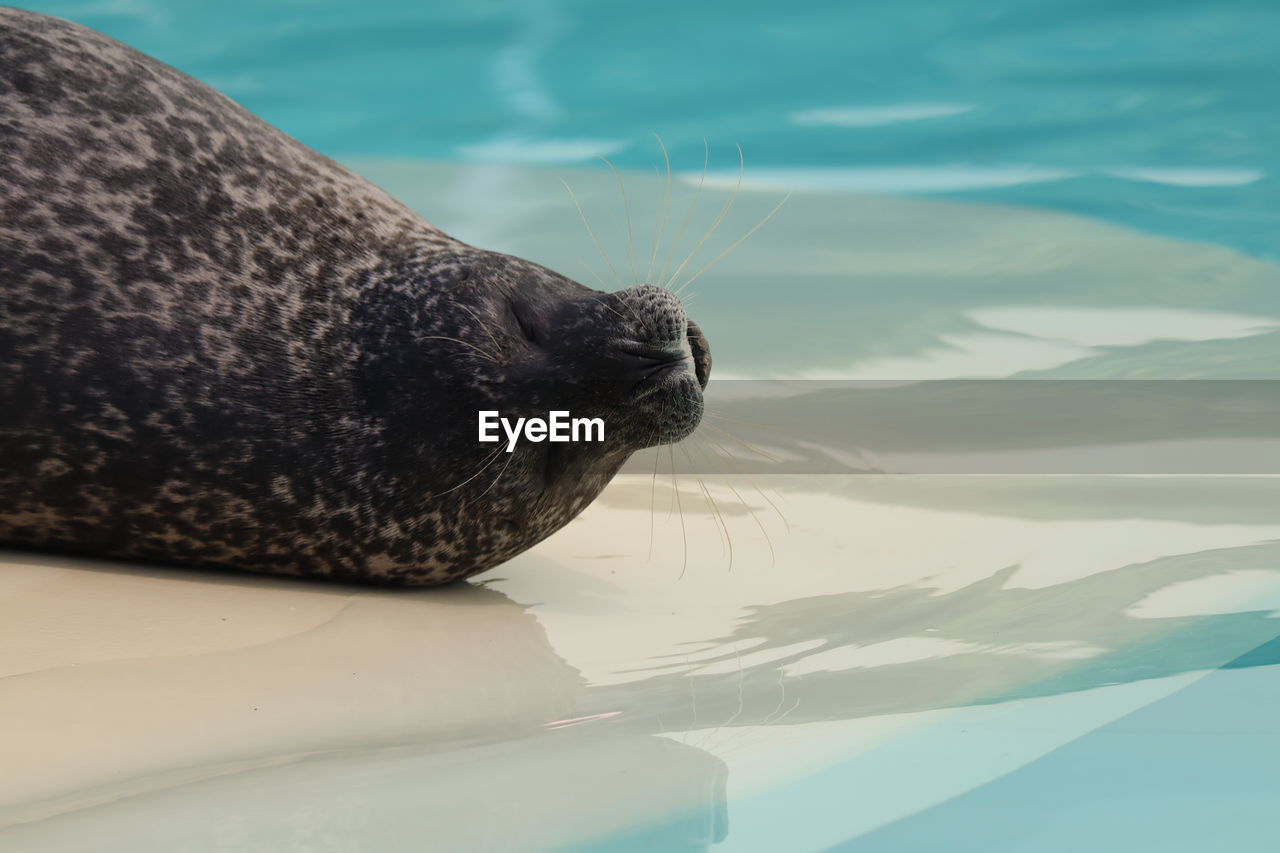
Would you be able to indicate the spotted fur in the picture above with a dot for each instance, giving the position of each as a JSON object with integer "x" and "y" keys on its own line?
{"x": 220, "y": 348}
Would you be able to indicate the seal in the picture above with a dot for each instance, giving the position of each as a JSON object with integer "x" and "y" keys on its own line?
{"x": 219, "y": 348}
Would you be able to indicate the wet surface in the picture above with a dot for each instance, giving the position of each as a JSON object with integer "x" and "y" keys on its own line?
{"x": 909, "y": 639}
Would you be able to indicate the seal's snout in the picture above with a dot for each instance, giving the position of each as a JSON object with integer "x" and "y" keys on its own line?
{"x": 664, "y": 357}
{"x": 658, "y": 338}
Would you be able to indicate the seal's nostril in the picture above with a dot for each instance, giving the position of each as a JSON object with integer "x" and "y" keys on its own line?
{"x": 701, "y": 352}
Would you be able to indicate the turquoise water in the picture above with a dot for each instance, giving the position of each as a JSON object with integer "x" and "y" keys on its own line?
{"x": 1041, "y": 189}
{"x": 1155, "y": 114}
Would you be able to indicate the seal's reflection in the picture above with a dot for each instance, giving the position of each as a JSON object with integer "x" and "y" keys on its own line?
{"x": 372, "y": 721}
{"x": 987, "y": 641}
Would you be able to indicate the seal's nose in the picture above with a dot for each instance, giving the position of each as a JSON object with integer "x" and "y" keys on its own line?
{"x": 701, "y": 353}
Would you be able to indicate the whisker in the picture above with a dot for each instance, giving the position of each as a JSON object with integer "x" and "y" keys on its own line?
{"x": 773, "y": 556}
{"x": 626, "y": 206}
{"x": 489, "y": 460}
{"x": 724, "y": 211}
{"x": 606, "y": 287}
{"x": 666, "y": 211}
{"x": 595, "y": 275}
{"x": 707, "y": 740}
{"x": 671, "y": 499}
{"x": 583, "y": 216}
{"x": 718, "y": 258}
{"x": 693, "y": 701}
{"x": 653, "y": 486}
{"x": 759, "y": 735}
{"x": 729, "y": 457}
{"x": 711, "y": 505}
{"x": 610, "y": 308}
{"x": 773, "y": 561}
{"x": 487, "y": 356}
{"x": 782, "y": 699}
{"x": 712, "y": 413}
{"x": 773, "y": 719}
{"x": 748, "y": 445}
{"x": 510, "y": 456}
{"x": 722, "y": 525}
{"x": 483, "y": 325}
{"x": 706, "y": 161}
{"x": 653, "y": 500}
{"x": 684, "y": 535}
{"x": 787, "y": 713}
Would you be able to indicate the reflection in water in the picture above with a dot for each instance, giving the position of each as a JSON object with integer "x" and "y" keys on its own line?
{"x": 986, "y": 642}
{"x": 919, "y": 618}
{"x": 351, "y": 719}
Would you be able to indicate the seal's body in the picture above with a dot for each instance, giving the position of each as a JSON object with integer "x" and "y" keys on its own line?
{"x": 220, "y": 348}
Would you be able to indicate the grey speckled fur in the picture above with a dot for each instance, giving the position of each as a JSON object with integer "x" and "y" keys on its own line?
{"x": 220, "y": 348}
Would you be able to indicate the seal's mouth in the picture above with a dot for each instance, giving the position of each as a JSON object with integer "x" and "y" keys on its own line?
{"x": 675, "y": 368}
{"x": 653, "y": 365}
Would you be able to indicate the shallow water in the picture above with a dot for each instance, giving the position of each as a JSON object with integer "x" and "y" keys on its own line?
{"x": 869, "y": 661}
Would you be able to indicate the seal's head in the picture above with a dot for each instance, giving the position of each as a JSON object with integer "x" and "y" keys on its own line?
{"x": 479, "y": 331}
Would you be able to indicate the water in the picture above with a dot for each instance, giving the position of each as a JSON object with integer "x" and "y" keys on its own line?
{"x": 1042, "y": 190}
{"x": 1145, "y": 113}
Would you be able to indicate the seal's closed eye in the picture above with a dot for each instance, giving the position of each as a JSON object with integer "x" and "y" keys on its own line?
{"x": 525, "y": 322}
